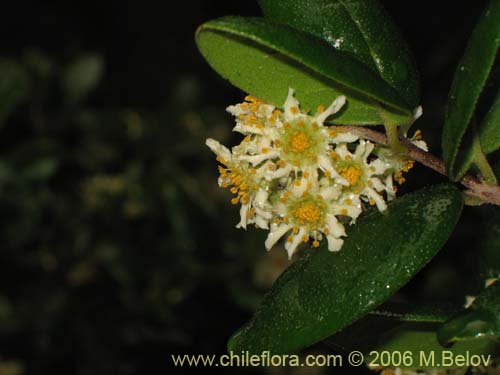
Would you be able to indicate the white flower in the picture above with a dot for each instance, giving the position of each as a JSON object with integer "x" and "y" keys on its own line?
{"x": 300, "y": 178}
{"x": 364, "y": 176}
{"x": 308, "y": 209}
{"x": 295, "y": 141}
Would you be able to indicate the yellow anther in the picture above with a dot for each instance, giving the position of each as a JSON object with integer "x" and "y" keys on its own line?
{"x": 307, "y": 212}
{"x": 235, "y": 200}
{"x": 305, "y": 238}
{"x": 300, "y": 142}
{"x": 348, "y": 201}
{"x": 320, "y": 109}
{"x": 295, "y": 229}
{"x": 294, "y": 110}
{"x": 316, "y": 243}
{"x": 253, "y": 99}
{"x": 352, "y": 174}
{"x": 265, "y": 150}
{"x": 371, "y": 202}
{"x": 306, "y": 174}
{"x": 297, "y": 183}
{"x": 343, "y": 211}
{"x": 290, "y": 239}
{"x": 282, "y": 163}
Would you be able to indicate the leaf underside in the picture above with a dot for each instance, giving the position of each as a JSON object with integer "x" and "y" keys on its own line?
{"x": 265, "y": 59}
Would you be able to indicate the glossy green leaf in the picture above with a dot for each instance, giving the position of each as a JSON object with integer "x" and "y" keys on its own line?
{"x": 14, "y": 86}
{"x": 361, "y": 28}
{"x": 265, "y": 59}
{"x": 324, "y": 292}
{"x": 410, "y": 312}
{"x": 418, "y": 340}
{"x": 488, "y": 248}
{"x": 489, "y": 132}
{"x": 468, "y": 83}
{"x": 481, "y": 319}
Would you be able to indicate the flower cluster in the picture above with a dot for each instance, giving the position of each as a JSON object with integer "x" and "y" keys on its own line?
{"x": 300, "y": 178}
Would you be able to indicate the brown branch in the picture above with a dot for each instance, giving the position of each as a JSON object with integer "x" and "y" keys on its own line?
{"x": 476, "y": 186}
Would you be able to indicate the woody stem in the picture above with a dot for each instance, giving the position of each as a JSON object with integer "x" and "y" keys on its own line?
{"x": 476, "y": 186}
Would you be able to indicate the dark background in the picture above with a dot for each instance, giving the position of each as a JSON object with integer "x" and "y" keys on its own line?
{"x": 117, "y": 248}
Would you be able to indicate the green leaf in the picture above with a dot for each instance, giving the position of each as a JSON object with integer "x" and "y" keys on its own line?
{"x": 81, "y": 77}
{"x": 410, "y": 312}
{"x": 363, "y": 29}
{"x": 481, "y": 319}
{"x": 489, "y": 132}
{"x": 14, "y": 86}
{"x": 419, "y": 339}
{"x": 324, "y": 292}
{"x": 468, "y": 83}
{"x": 265, "y": 59}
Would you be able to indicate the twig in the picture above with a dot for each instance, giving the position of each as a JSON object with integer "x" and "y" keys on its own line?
{"x": 476, "y": 186}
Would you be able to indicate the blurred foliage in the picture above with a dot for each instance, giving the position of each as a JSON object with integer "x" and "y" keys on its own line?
{"x": 111, "y": 248}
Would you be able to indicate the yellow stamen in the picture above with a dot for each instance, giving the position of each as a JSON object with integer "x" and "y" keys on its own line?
{"x": 300, "y": 142}
{"x": 352, "y": 174}
{"x": 307, "y": 212}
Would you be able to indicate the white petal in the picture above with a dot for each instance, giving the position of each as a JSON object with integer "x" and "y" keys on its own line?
{"x": 247, "y": 129}
{"x": 342, "y": 151}
{"x": 243, "y": 216}
{"x": 257, "y": 159}
{"x": 236, "y": 110}
{"x": 377, "y": 184}
{"x": 334, "y": 243}
{"x": 267, "y": 215}
{"x": 261, "y": 222}
{"x": 326, "y": 165}
{"x": 379, "y": 165}
{"x": 330, "y": 193}
{"x": 344, "y": 137}
{"x": 299, "y": 190}
{"x": 277, "y": 231}
{"x": 291, "y": 247}
{"x": 278, "y": 173}
{"x": 290, "y": 103}
{"x": 334, "y": 227}
{"x": 389, "y": 188}
{"x": 379, "y": 201}
{"x": 336, "y": 105}
{"x": 421, "y": 145}
{"x": 218, "y": 149}
{"x": 260, "y": 198}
